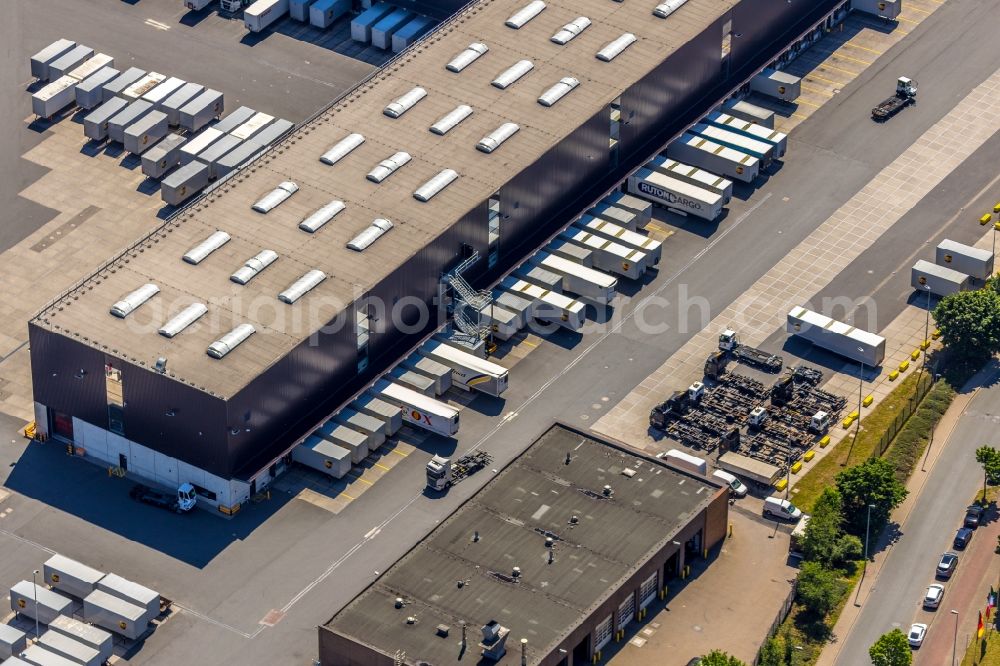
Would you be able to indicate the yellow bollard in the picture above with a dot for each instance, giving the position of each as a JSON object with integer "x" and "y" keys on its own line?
{"x": 781, "y": 483}
{"x": 903, "y": 366}
{"x": 824, "y": 441}
{"x": 915, "y": 354}
{"x": 936, "y": 334}
{"x": 848, "y": 422}
{"x": 985, "y": 219}
{"x": 796, "y": 467}
{"x": 868, "y": 400}
{"x": 810, "y": 454}
{"x": 996, "y": 209}
{"x": 924, "y": 345}
{"x": 730, "y": 530}
{"x": 893, "y": 375}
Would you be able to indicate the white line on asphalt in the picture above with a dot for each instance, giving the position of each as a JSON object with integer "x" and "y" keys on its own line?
{"x": 28, "y": 541}
{"x": 156, "y": 24}
{"x": 371, "y": 534}
{"x": 202, "y": 616}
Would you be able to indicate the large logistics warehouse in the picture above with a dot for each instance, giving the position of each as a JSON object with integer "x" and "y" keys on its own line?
{"x": 564, "y": 555}
{"x": 324, "y": 320}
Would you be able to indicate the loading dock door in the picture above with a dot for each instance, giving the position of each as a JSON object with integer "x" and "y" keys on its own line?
{"x": 647, "y": 591}
{"x": 626, "y": 612}
{"x": 602, "y": 634}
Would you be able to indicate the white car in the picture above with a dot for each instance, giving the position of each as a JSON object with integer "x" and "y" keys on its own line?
{"x": 933, "y": 597}
{"x": 916, "y": 635}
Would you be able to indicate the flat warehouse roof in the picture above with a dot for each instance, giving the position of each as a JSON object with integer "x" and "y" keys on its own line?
{"x": 84, "y": 312}
{"x": 536, "y": 496}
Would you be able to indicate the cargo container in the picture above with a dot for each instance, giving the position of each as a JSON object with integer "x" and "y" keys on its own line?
{"x": 609, "y": 255}
{"x": 235, "y": 119}
{"x": 40, "y": 61}
{"x": 438, "y": 373}
{"x": 252, "y": 126}
{"x": 964, "y": 259}
{"x": 299, "y": 9}
{"x": 172, "y": 105}
{"x": 54, "y": 97}
{"x": 642, "y": 208}
{"x": 184, "y": 183}
{"x": 713, "y": 157}
{"x": 468, "y": 371}
{"x": 686, "y": 461}
{"x": 345, "y": 438}
{"x": 141, "y": 135}
{"x": 201, "y": 110}
{"x": 776, "y": 84}
{"x": 125, "y": 117}
{"x": 371, "y": 426}
{"x": 69, "y": 648}
{"x": 95, "y": 123}
{"x": 116, "y": 615}
{"x": 12, "y": 639}
{"x": 272, "y": 133}
{"x": 675, "y": 194}
{"x": 563, "y": 248}
{"x": 323, "y": 13}
{"x": 69, "y": 61}
{"x": 50, "y": 604}
{"x": 941, "y": 280}
{"x": 549, "y": 306}
{"x": 413, "y": 380}
{"x": 620, "y": 216}
{"x": 750, "y": 469}
{"x": 90, "y": 91}
{"x": 142, "y": 85}
{"x": 163, "y": 157}
{"x": 84, "y": 633}
{"x": 835, "y": 336}
{"x": 535, "y": 274}
{"x": 361, "y": 25}
{"x": 236, "y": 158}
{"x": 700, "y": 178}
{"x": 216, "y": 152}
{"x": 264, "y": 13}
{"x": 92, "y": 66}
{"x": 115, "y": 86}
{"x": 134, "y": 593}
{"x": 501, "y": 321}
{"x": 762, "y": 150}
{"x": 70, "y": 577}
{"x": 417, "y": 409}
{"x": 517, "y": 305}
{"x": 388, "y": 26}
{"x": 777, "y": 139}
{"x": 410, "y": 33}
{"x": 36, "y": 655}
{"x": 15, "y": 661}
{"x": 587, "y": 283}
{"x": 750, "y": 112}
{"x": 323, "y": 456}
{"x": 198, "y": 144}
{"x": 884, "y": 9}
{"x": 649, "y": 246}
{"x": 162, "y": 92}
{"x": 381, "y": 410}
{"x": 196, "y": 5}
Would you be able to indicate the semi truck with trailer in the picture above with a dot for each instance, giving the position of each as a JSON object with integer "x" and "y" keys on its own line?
{"x": 752, "y": 356}
{"x": 906, "y": 94}
{"x": 442, "y": 473}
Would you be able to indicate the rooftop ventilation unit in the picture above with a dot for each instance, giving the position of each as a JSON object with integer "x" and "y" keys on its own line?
{"x": 183, "y": 319}
{"x": 522, "y": 16}
{"x": 492, "y": 141}
{"x": 313, "y": 223}
{"x": 371, "y": 234}
{"x": 467, "y": 57}
{"x": 129, "y": 303}
{"x": 198, "y": 253}
{"x": 388, "y": 166}
{"x": 404, "y": 103}
{"x": 427, "y": 191}
{"x": 270, "y": 201}
{"x": 451, "y": 119}
{"x": 507, "y": 77}
{"x": 342, "y": 148}
{"x": 230, "y": 340}
{"x": 571, "y": 30}
{"x": 253, "y": 266}
{"x": 612, "y": 50}
{"x": 304, "y": 284}
{"x": 665, "y": 9}
{"x": 558, "y": 91}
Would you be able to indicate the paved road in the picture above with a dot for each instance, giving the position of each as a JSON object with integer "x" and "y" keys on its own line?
{"x": 909, "y": 568}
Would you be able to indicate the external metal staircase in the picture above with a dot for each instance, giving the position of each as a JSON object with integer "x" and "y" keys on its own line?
{"x": 469, "y": 303}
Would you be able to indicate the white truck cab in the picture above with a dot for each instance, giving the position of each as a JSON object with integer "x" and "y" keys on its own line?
{"x": 757, "y": 416}
{"x": 819, "y": 423}
{"x": 186, "y": 497}
{"x": 727, "y": 340}
{"x": 438, "y": 473}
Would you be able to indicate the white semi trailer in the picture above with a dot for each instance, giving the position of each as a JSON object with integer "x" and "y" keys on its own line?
{"x": 468, "y": 371}
{"x": 417, "y": 409}
{"x": 714, "y": 157}
{"x": 675, "y": 194}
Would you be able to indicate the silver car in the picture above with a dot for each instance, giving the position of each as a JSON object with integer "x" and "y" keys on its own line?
{"x": 932, "y": 599}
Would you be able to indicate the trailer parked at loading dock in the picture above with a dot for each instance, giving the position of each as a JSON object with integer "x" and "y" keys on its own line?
{"x": 675, "y": 194}
{"x": 642, "y": 208}
{"x": 777, "y": 84}
{"x": 609, "y": 255}
{"x": 413, "y": 380}
{"x": 938, "y": 280}
{"x": 615, "y": 214}
{"x": 323, "y": 13}
{"x": 388, "y": 26}
{"x": 837, "y": 337}
{"x": 750, "y": 112}
{"x": 777, "y": 139}
{"x": 361, "y": 25}
{"x": 535, "y": 274}
{"x": 549, "y": 306}
{"x": 651, "y": 247}
{"x": 965, "y": 259}
{"x": 71, "y": 577}
{"x": 711, "y": 156}
{"x": 469, "y": 372}
{"x": 370, "y": 426}
{"x": 572, "y": 251}
{"x": 762, "y": 150}
{"x": 410, "y": 33}
{"x": 501, "y": 321}
{"x": 692, "y": 175}
{"x": 517, "y": 305}
{"x": 587, "y": 283}
{"x": 381, "y": 410}
{"x": 419, "y": 410}
{"x": 323, "y": 456}
{"x": 438, "y": 373}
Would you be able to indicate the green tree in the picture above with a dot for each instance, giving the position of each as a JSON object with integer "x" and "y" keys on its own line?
{"x": 969, "y": 322}
{"x": 818, "y": 588}
{"x": 771, "y": 653}
{"x": 720, "y": 658}
{"x": 891, "y": 649}
{"x": 989, "y": 458}
{"x": 874, "y": 483}
{"x": 824, "y": 540}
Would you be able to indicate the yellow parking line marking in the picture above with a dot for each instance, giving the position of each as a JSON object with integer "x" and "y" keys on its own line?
{"x": 820, "y": 78}
{"x": 840, "y": 69}
{"x": 864, "y": 48}
{"x": 922, "y": 11}
{"x": 381, "y": 466}
{"x": 840, "y": 55}
{"x": 802, "y": 101}
{"x": 363, "y": 480}
{"x": 345, "y": 495}
{"x": 529, "y": 343}
{"x": 906, "y": 20}
{"x": 656, "y": 227}
{"x": 399, "y": 453}
{"x": 814, "y": 89}
{"x": 799, "y": 115}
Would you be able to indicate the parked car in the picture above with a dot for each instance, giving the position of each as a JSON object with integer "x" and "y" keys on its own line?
{"x": 973, "y": 515}
{"x": 694, "y": 662}
{"x": 917, "y": 633}
{"x": 736, "y": 487}
{"x": 781, "y": 508}
{"x": 963, "y": 537}
{"x": 946, "y": 566}
{"x": 932, "y": 599}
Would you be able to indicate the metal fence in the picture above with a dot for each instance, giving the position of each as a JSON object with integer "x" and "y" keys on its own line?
{"x": 924, "y": 384}
{"x": 786, "y": 607}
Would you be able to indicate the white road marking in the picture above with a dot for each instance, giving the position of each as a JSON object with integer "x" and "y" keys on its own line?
{"x": 156, "y": 24}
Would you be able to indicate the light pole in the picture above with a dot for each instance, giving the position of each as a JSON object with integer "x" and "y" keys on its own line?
{"x": 954, "y": 643}
{"x": 861, "y": 388}
{"x": 34, "y": 591}
{"x": 927, "y": 325}
{"x": 930, "y": 442}
{"x": 868, "y": 523}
